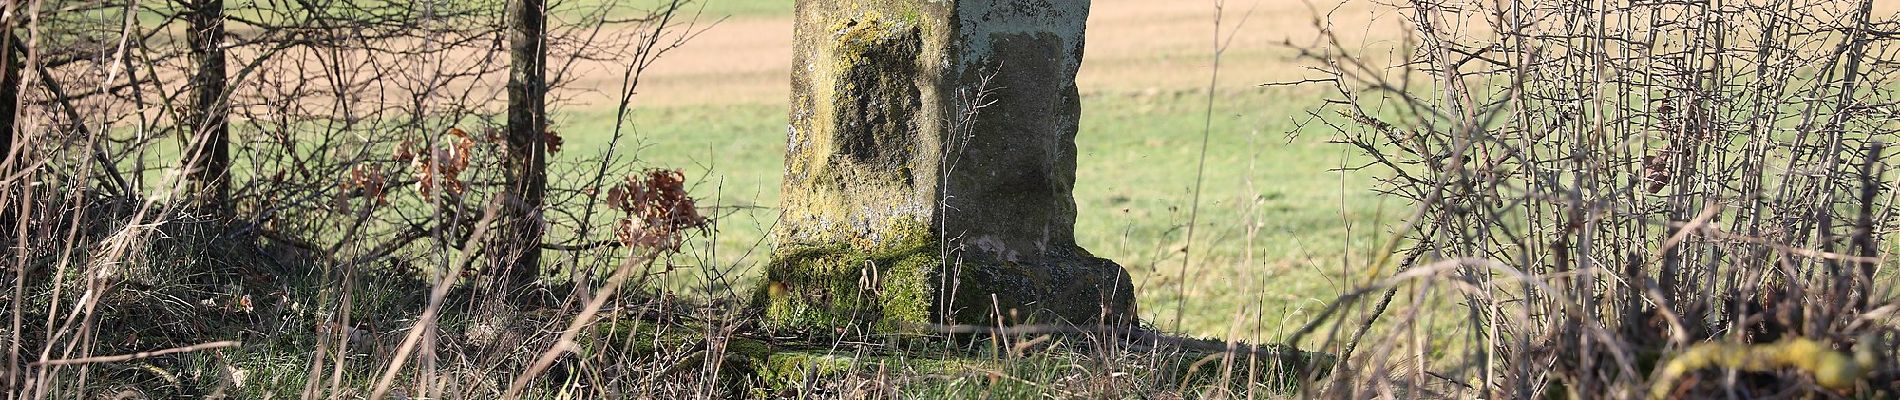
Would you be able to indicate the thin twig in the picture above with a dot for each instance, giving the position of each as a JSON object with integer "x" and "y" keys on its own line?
{"x": 135, "y": 356}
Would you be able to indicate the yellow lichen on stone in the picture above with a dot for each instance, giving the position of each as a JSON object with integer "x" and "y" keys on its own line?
{"x": 856, "y": 37}
{"x": 1831, "y": 369}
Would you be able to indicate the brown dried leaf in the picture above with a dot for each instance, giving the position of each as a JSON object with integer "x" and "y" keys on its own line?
{"x": 659, "y": 210}
{"x": 553, "y": 140}
{"x": 617, "y": 198}
{"x": 1656, "y": 169}
{"x": 406, "y": 151}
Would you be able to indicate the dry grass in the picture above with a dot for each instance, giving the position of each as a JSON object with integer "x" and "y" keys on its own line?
{"x": 1602, "y": 188}
{"x": 1654, "y": 209}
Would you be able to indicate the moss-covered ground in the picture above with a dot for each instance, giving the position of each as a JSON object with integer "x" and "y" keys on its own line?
{"x": 1063, "y": 366}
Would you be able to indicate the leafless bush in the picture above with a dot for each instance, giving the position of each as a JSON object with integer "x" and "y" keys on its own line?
{"x": 1604, "y": 186}
{"x": 362, "y": 168}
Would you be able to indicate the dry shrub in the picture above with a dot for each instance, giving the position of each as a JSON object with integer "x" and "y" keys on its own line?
{"x": 1602, "y": 187}
{"x": 355, "y": 197}
{"x": 658, "y": 210}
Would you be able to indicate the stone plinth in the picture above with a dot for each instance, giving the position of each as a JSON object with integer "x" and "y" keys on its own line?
{"x": 904, "y": 204}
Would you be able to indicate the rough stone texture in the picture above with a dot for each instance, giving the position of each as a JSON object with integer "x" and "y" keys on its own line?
{"x": 898, "y": 212}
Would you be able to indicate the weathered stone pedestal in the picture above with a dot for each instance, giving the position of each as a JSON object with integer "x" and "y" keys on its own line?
{"x": 904, "y": 203}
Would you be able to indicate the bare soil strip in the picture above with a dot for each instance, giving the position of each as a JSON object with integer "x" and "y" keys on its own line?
{"x": 1133, "y": 46}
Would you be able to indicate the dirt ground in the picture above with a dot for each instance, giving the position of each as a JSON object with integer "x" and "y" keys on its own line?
{"x": 1133, "y": 46}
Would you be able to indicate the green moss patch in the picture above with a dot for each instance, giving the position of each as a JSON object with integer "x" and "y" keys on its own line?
{"x": 901, "y": 283}
{"x": 1060, "y": 371}
{"x": 886, "y": 288}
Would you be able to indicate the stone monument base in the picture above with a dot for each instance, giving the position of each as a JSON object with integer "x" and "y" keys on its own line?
{"x": 907, "y": 286}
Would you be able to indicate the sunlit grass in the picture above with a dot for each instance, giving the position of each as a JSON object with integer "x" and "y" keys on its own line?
{"x": 1135, "y": 177}
{"x": 703, "y": 8}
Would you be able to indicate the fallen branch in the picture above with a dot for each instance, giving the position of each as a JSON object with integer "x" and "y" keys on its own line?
{"x": 135, "y": 356}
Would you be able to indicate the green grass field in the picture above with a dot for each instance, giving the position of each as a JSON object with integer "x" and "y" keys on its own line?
{"x": 1237, "y": 218}
{"x": 1137, "y": 160}
{"x": 713, "y": 8}
{"x": 1276, "y": 229}
{"x": 1277, "y": 225}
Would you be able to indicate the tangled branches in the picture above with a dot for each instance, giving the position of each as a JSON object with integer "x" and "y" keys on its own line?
{"x": 1661, "y": 173}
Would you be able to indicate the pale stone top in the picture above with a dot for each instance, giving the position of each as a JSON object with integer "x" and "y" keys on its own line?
{"x": 873, "y": 140}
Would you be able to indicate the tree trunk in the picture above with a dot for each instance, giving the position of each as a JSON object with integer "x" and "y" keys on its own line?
{"x": 209, "y": 159}
{"x": 11, "y": 55}
{"x": 517, "y": 243}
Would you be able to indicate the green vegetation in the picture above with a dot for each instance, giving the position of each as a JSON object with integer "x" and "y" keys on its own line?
{"x": 812, "y": 286}
{"x": 1134, "y": 183}
{"x": 712, "y": 9}
{"x": 1566, "y": 255}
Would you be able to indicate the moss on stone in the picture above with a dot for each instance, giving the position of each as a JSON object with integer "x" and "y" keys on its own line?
{"x": 750, "y": 348}
{"x": 885, "y": 287}
{"x": 849, "y": 166}
{"x": 784, "y": 368}
{"x": 638, "y": 338}
{"x": 876, "y": 87}
{"x": 897, "y": 283}
{"x": 870, "y": 34}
